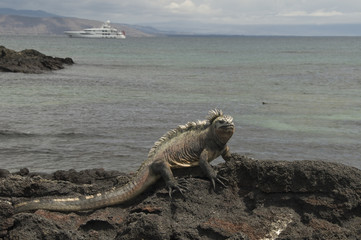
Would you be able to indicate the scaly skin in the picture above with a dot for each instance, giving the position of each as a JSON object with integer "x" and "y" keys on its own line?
{"x": 196, "y": 143}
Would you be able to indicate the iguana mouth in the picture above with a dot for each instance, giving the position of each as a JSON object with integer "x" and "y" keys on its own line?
{"x": 228, "y": 126}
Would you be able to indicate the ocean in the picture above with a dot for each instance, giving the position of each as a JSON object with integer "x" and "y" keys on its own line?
{"x": 292, "y": 98}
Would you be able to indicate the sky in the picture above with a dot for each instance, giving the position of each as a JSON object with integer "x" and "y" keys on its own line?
{"x": 192, "y": 13}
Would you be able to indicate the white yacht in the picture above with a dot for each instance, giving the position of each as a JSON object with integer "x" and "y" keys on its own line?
{"x": 105, "y": 31}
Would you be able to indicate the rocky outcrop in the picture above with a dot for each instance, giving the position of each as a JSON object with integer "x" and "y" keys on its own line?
{"x": 29, "y": 61}
{"x": 262, "y": 200}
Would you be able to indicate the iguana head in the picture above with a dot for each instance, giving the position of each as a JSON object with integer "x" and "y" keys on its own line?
{"x": 222, "y": 125}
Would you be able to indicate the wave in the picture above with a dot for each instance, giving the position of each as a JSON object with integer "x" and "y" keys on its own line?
{"x": 11, "y": 133}
{"x": 76, "y": 135}
{"x": 68, "y": 135}
{"x": 19, "y": 134}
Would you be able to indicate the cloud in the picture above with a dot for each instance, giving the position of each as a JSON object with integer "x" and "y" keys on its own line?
{"x": 189, "y": 7}
{"x": 322, "y": 13}
{"x": 318, "y": 13}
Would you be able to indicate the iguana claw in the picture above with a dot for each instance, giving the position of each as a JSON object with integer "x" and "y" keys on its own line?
{"x": 218, "y": 179}
{"x": 174, "y": 186}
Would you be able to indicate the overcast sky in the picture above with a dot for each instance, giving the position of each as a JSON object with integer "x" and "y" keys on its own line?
{"x": 233, "y": 12}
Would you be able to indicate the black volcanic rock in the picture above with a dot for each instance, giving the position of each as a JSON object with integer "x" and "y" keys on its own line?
{"x": 263, "y": 200}
{"x": 29, "y": 61}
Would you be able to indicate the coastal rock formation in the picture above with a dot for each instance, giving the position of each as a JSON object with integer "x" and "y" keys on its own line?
{"x": 262, "y": 200}
{"x": 29, "y": 61}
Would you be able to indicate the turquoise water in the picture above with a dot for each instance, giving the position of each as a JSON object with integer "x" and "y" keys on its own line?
{"x": 292, "y": 98}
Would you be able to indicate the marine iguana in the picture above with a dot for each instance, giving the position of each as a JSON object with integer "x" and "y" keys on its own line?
{"x": 196, "y": 143}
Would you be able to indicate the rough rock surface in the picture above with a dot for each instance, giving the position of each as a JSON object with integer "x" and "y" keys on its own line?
{"x": 263, "y": 200}
{"x": 29, "y": 61}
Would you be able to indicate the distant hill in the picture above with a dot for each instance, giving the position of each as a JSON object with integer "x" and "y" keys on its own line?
{"x": 26, "y": 13}
{"x": 27, "y": 22}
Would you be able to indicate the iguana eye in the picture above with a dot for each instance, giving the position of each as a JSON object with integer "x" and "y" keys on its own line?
{"x": 221, "y": 121}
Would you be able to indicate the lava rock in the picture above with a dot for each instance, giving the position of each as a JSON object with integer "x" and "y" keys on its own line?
{"x": 262, "y": 200}
{"x": 29, "y": 61}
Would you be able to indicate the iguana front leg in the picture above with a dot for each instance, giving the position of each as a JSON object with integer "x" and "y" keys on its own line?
{"x": 162, "y": 168}
{"x": 226, "y": 155}
{"x": 208, "y": 170}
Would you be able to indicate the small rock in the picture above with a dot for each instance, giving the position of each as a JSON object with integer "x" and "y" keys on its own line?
{"x": 4, "y": 173}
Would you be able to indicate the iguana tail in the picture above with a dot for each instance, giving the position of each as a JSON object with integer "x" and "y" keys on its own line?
{"x": 136, "y": 186}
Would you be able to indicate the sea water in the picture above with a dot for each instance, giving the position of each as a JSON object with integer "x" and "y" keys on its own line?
{"x": 292, "y": 98}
